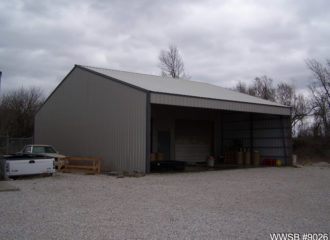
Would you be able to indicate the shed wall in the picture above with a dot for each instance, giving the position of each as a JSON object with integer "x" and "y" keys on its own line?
{"x": 89, "y": 115}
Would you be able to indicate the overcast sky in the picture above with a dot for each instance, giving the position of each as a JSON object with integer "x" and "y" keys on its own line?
{"x": 222, "y": 42}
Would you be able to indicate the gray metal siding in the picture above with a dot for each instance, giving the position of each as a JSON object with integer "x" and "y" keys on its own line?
{"x": 272, "y": 138}
{"x": 89, "y": 115}
{"x": 177, "y": 100}
{"x": 270, "y": 134}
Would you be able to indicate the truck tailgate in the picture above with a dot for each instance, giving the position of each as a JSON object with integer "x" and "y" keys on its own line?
{"x": 29, "y": 166}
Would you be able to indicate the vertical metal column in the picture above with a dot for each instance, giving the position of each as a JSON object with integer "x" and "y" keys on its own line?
{"x": 221, "y": 132}
{"x": 148, "y": 143}
{"x": 283, "y": 141}
{"x": 251, "y": 137}
{"x": 290, "y": 143}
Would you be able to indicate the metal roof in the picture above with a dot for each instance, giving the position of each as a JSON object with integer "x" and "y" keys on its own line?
{"x": 177, "y": 86}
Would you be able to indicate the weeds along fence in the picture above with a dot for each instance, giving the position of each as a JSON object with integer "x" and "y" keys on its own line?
{"x": 9, "y": 145}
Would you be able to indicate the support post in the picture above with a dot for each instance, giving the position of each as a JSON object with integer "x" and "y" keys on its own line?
{"x": 251, "y": 137}
{"x": 283, "y": 141}
{"x": 148, "y": 142}
{"x": 221, "y": 132}
{"x": 290, "y": 143}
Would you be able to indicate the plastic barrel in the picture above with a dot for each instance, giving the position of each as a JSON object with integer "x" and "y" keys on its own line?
{"x": 239, "y": 158}
{"x": 153, "y": 157}
{"x": 294, "y": 160}
{"x": 247, "y": 158}
{"x": 256, "y": 158}
{"x": 160, "y": 156}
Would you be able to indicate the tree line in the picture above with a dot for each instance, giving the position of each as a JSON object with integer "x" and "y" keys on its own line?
{"x": 317, "y": 106}
{"x": 17, "y": 111}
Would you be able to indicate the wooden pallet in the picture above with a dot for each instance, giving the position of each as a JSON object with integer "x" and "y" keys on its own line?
{"x": 73, "y": 164}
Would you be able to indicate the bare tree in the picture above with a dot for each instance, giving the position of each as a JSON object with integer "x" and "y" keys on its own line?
{"x": 171, "y": 63}
{"x": 17, "y": 111}
{"x": 241, "y": 87}
{"x": 321, "y": 77}
{"x": 320, "y": 89}
{"x": 300, "y": 109}
{"x": 263, "y": 88}
{"x": 286, "y": 95}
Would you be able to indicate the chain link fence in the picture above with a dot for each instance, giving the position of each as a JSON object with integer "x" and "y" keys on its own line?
{"x": 10, "y": 145}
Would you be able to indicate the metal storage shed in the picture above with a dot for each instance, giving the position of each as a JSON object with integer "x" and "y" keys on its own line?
{"x": 122, "y": 117}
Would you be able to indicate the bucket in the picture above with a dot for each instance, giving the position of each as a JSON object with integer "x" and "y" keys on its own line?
{"x": 278, "y": 163}
{"x": 210, "y": 161}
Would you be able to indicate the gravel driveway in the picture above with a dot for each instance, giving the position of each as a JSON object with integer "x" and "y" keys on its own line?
{"x": 231, "y": 204}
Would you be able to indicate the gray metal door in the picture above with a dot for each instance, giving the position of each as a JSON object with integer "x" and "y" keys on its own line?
{"x": 193, "y": 140}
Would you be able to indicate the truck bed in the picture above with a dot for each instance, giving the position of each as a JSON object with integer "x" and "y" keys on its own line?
{"x": 27, "y": 164}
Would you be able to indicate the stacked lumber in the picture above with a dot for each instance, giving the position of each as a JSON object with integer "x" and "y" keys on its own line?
{"x": 79, "y": 164}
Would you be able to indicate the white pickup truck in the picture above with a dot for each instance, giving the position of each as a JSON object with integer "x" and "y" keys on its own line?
{"x": 27, "y": 164}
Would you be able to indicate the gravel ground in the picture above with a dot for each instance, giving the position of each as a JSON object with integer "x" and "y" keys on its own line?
{"x": 231, "y": 204}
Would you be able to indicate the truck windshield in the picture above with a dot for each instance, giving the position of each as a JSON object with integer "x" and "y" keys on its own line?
{"x": 43, "y": 149}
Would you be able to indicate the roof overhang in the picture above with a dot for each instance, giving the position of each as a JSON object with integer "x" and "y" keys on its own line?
{"x": 188, "y": 101}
